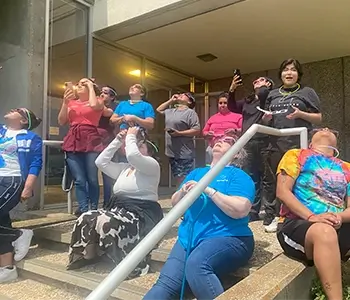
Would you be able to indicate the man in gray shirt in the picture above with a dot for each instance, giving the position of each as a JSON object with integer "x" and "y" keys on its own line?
{"x": 181, "y": 125}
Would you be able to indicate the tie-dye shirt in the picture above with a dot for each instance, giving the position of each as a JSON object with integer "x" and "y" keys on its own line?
{"x": 322, "y": 183}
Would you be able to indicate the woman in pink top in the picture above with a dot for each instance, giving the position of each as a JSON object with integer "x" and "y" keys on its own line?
{"x": 82, "y": 110}
{"x": 222, "y": 123}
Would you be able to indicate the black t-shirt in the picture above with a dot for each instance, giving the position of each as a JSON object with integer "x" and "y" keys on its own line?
{"x": 248, "y": 108}
{"x": 104, "y": 121}
{"x": 280, "y": 104}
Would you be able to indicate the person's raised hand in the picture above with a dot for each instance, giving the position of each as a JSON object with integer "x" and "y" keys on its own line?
{"x": 121, "y": 135}
{"x": 236, "y": 82}
{"x": 133, "y": 130}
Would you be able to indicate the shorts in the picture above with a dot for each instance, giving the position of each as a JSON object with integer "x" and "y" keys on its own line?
{"x": 181, "y": 167}
{"x": 291, "y": 236}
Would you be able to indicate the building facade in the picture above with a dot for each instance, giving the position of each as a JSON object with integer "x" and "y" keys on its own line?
{"x": 44, "y": 43}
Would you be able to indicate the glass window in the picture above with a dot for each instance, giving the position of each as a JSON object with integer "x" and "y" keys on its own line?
{"x": 67, "y": 62}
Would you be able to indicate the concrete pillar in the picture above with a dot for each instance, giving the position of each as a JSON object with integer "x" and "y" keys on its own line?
{"x": 22, "y": 26}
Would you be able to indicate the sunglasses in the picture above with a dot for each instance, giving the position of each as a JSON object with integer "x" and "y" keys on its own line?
{"x": 314, "y": 131}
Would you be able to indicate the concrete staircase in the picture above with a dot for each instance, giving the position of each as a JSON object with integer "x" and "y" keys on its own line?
{"x": 44, "y": 267}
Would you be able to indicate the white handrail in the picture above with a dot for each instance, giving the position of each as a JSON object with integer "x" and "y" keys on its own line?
{"x": 124, "y": 268}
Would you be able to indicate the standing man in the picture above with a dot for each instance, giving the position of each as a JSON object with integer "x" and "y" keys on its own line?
{"x": 181, "y": 125}
{"x": 257, "y": 146}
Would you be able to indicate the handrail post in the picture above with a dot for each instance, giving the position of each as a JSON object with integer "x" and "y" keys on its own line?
{"x": 123, "y": 269}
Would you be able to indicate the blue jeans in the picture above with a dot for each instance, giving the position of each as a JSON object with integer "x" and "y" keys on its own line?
{"x": 107, "y": 188}
{"x": 84, "y": 171}
{"x": 210, "y": 260}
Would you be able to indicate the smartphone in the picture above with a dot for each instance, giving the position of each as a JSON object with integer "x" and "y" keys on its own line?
{"x": 170, "y": 130}
{"x": 69, "y": 85}
{"x": 237, "y": 72}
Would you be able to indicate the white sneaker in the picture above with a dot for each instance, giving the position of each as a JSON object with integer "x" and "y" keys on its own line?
{"x": 7, "y": 274}
{"x": 22, "y": 244}
{"x": 273, "y": 225}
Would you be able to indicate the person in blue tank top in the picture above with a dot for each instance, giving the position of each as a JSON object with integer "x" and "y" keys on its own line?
{"x": 214, "y": 238}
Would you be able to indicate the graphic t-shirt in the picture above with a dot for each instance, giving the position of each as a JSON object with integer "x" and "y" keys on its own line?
{"x": 281, "y": 105}
{"x": 322, "y": 183}
{"x": 205, "y": 218}
{"x": 9, "y": 163}
{"x": 141, "y": 109}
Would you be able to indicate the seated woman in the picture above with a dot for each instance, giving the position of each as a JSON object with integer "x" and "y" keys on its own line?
{"x": 214, "y": 237}
{"x": 131, "y": 213}
{"x": 314, "y": 226}
{"x": 224, "y": 122}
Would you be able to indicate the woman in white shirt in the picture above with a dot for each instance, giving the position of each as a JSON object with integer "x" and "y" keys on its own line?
{"x": 132, "y": 211}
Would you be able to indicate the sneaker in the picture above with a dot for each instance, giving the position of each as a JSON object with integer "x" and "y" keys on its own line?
{"x": 268, "y": 219}
{"x": 8, "y": 274}
{"x": 273, "y": 226}
{"x": 22, "y": 244}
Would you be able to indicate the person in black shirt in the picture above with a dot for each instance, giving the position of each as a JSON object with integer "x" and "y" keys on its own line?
{"x": 107, "y": 131}
{"x": 256, "y": 147}
{"x": 291, "y": 105}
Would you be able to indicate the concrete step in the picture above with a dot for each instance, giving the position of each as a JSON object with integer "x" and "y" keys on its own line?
{"x": 27, "y": 289}
{"x": 49, "y": 267}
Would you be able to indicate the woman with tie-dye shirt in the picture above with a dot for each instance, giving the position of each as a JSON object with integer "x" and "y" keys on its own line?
{"x": 314, "y": 227}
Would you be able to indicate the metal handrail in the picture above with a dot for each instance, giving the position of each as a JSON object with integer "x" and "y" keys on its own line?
{"x": 123, "y": 269}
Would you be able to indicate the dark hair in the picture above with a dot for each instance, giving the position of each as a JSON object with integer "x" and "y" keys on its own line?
{"x": 296, "y": 64}
{"x": 112, "y": 92}
{"x": 96, "y": 87}
{"x": 152, "y": 148}
{"x": 222, "y": 95}
{"x": 32, "y": 120}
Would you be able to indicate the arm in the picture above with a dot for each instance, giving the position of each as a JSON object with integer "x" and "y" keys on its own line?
{"x": 115, "y": 119}
{"x": 314, "y": 115}
{"x": 233, "y": 105}
{"x": 104, "y": 160}
{"x": 206, "y": 128}
{"x": 107, "y": 112}
{"x": 189, "y": 132}
{"x": 95, "y": 102}
{"x": 34, "y": 167}
{"x": 236, "y": 202}
{"x": 179, "y": 194}
{"x": 147, "y": 123}
{"x": 145, "y": 164}
{"x": 287, "y": 172}
{"x": 63, "y": 114}
{"x": 313, "y": 118}
{"x": 235, "y": 207}
{"x": 161, "y": 108}
{"x": 285, "y": 185}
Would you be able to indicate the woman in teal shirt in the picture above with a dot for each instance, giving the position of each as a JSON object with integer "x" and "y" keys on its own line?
{"x": 214, "y": 234}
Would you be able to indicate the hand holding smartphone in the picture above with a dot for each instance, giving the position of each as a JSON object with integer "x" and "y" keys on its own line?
{"x": 237, "y": 72}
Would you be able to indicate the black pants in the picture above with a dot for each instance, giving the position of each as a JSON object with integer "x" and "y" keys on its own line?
{"x": 10, "y": 195}
{"x": 255, "y": 166}
{"x": 277, "y": 148}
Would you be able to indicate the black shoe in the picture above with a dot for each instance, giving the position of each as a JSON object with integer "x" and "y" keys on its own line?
{"x": 254, "y": 217}
{"x": 78, "y": 213}
{"x": 268, "y": 219}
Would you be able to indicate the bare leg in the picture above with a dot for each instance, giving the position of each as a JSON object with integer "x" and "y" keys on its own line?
{"x": 321, "y": 245}
{"x": 6, "y": 260}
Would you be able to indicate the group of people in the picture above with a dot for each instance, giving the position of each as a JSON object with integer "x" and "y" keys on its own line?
{"x": 306, "y": 190}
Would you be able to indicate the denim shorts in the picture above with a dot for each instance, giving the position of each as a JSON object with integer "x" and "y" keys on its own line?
{"x": 181, "y": 167}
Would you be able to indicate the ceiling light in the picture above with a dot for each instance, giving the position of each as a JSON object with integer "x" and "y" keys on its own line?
{"x": 207, "y": 57}
{"x": 136, "y": 73}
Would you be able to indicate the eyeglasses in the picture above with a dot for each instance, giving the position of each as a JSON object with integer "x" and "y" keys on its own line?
{"x": 314, "y": 131}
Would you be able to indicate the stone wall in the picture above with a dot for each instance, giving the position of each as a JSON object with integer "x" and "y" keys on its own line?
{"x": 330, "y": 79}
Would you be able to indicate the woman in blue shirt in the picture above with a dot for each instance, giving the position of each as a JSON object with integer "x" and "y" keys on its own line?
{"x": 214, "y": 231}
{"x": 20, "y": 165}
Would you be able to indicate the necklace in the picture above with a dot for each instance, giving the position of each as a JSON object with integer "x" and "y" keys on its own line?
{"x": 286, "y": 94}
